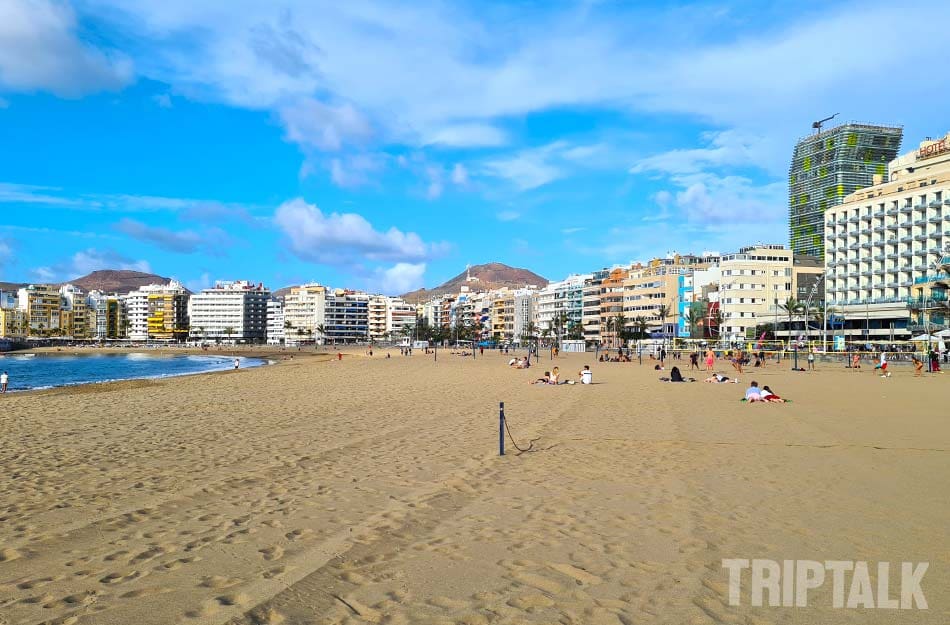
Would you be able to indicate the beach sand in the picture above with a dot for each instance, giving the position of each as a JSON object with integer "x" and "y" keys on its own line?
{"x": 371, "y": 491}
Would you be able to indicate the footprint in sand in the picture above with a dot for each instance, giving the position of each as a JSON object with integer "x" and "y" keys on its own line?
{"x": 218, "y": 582}
{"x": 272, "y": 553}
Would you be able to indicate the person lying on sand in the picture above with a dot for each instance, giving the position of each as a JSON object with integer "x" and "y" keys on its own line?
{"x": 718, "y": 378}
{"x": 768, "y": 395}
{"x": 545, "y": 379}
{"x": 753, "y": 393}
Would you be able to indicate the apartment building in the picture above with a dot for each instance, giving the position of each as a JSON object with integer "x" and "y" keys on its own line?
{"x": 590, "y": 305}
{"x": 756, "y": 282}
{"x": 41, "y": 306}
{"x": 377, "y": 317}
{"x": 276, "y": 332}
{"x": 347, "y": 316}
{"x": 611, "y": 303}
{"x": 74, "y": 316}
{"x": 305, "y": 313}
{"x": 400, "y": 317}
{"x": 885, "y": 239}
{"x": 660, "y": 291}
{"x": 230, "y": 311}
{"x": 562, "y": 298}
{"x": 12, "y": 319}
{"x": 105, "y": 315}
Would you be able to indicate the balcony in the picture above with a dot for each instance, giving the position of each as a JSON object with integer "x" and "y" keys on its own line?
{"x": 907, "y": 208}
{"x": 866, "y": 217}
{"x": 866, "y": 245}
{"x": 842, "y": 220}
{"x": 921, "y": 237}
{"x": 920, "y": 222}
{"x": 906, "y": 239}
{"x": 892, "y": 211}
{"x": 903, "y": 283}
{"x": 893, "y": 256}
{"x": 879, "y": 257}
{"x": 879, "y": 213}
{"x": 878, "y": 229}
{"x": 853, "y": 219}
{"x": 934, "y": 204}
{"x": 921, "y": 206}
{"x": 936, "y": 219}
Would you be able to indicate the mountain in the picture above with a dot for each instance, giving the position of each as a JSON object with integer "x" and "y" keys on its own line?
{"x": 117, "y": 280}
{"x": 481, "y": 277}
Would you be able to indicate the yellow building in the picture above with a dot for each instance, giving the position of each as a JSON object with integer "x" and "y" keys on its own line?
{"x": 12, "y": 323}
{"x": 167, "y": 316}
{"x": 42, "y": 304}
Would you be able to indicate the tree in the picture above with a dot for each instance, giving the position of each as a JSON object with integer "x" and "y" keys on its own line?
{"x": 662, "y": 312}
{"x": 619, "y": 323}
{"x": 640, "y": 325}
{"x": 793, "y": 307}
{"x": 690, "y": 318}
{"x": 529, "y": 332}
{"x": 322, "y": 331}
{"x": 229, "y": 331}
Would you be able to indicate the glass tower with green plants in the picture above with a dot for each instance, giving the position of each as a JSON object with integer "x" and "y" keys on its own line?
{"x": 826, "y": 167}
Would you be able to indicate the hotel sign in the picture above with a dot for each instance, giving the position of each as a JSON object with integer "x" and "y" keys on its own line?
{"x": 934, "y": 149}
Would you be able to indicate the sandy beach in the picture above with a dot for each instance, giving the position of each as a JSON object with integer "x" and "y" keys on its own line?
{"x": 370, "y": 490}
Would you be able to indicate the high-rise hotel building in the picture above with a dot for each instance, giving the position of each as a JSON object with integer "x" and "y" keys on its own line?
{"x": 828, "y": 166}
{"x": 886, "y": 238}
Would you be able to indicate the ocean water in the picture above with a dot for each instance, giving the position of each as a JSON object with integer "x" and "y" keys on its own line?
{"x": 36, "y": 371}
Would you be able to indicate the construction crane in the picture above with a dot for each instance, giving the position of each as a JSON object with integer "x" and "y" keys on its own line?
{"x": 818, "y": 124}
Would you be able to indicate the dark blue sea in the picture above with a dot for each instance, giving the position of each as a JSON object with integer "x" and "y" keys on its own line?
{"x": 36, "y": 371}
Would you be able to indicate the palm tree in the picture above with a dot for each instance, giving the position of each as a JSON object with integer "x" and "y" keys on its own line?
{"x": 229, "y": 331}
{"x": 690, "y": 319}
{"x": 662, "y": 312}
{"x": 641, "y": 325}
{"x": 619, "y": 327}
{"x": 529, "y": 331}
{"x": 793, "y": 307}
{"x": 322, "y": 331}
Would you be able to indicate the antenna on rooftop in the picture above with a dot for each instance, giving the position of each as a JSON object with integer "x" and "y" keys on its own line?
{"x": 818, "y": 124}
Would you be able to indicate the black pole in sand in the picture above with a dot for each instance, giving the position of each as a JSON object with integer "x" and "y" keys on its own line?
{"x": 501, "y": 428}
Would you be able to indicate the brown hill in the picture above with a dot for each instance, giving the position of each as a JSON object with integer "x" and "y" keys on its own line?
{"x": 117, "y": 280}
{"x": 483, "y": 277}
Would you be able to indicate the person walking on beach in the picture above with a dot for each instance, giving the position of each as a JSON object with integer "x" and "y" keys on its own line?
{"x": 710, "y": 359}
{"x": 883, "y": 366}
{"x": 694, "y": 361}
{"x": 237, "y": 363}
{"x": 4, "y": 378}
{"x": 811, "y": 361}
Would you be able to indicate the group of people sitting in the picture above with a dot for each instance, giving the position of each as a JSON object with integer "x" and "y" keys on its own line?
{"x": 520, "y": 363}
{"x": 554, "y": 377}
{"x": 675, "y": 375}
{"x": 609, "y": 358}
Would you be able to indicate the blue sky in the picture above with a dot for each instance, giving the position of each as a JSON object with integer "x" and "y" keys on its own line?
{"x": 387, "y": 145}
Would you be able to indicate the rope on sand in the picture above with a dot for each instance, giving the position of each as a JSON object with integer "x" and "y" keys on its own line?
{"x": 503, "y": 428}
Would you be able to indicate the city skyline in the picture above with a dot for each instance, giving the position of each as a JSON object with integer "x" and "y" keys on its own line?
{"x": 385, "y": 149}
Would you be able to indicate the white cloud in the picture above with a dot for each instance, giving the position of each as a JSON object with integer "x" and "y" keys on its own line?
{"x": 354, "y": 170}
{"x": 89, "y": 260}
{"x": 163, "y": 100}
{"x": 729, "y": 149}
{"x": 460, "y": 175}
{"x": 435, "y": 188}
{"x": 312, "y": 123}
{"x": 398, "y": 279}
{"x": 508, "y": 215}
{"x": 211, "y": 240}
{"x": 200, "y": 283}
{"x": 344, "y": 238}
{"x": 86, "y": 261}
{"x": 40, "y": 51}
{"x": 468, "y": 136}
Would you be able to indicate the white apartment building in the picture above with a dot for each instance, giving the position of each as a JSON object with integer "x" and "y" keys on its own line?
{"x": 565, "y": 296}
{"x": 276, "y": 333}
{"x": 305, "y": 313}
{"x": 399, "y": 315}
{"x": 756, "y": 281}
{"x": 231, "y": 311}
{"x": 136, "y": 307}
{"x": 376, "y": 317}
{"x": 884, "y": 239}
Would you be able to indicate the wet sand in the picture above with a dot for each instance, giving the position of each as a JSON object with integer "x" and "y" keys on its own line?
{"x": 371, "y": 491}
